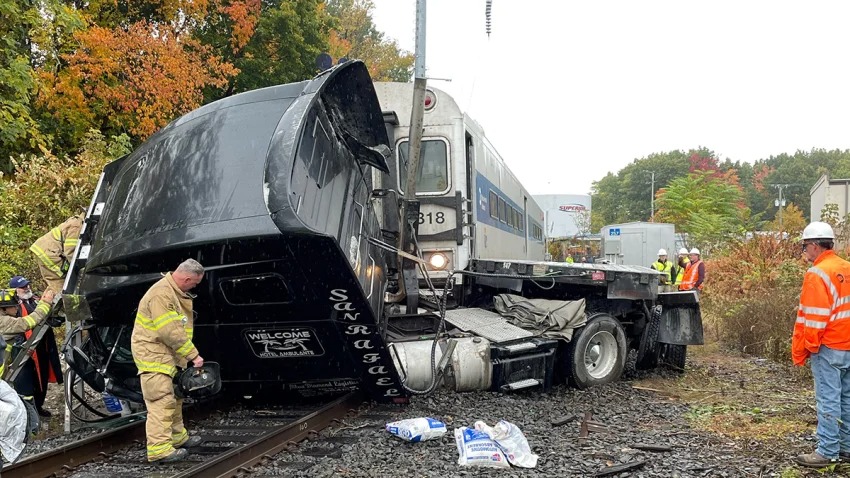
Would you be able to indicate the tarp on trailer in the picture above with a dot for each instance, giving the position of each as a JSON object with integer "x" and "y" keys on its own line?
{"x": 553, "y": 319}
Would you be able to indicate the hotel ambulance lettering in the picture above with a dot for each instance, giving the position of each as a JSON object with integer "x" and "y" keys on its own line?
{"x": 364, "y": 348}
{"x": 284, "y": 343}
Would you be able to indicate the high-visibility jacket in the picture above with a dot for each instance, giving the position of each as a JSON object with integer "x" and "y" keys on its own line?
{"x": 663, "y": 268}
{"x": 822, "y": 317}
{"x": 10, "y": 327}
{"x": 162, "y": 333}
{"x": 56, "y": 248}
{"x": 691, "y": 277}
{"x": 680, "y": 271}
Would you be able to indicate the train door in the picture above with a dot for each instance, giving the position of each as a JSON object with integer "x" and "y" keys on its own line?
{"x": 470, "y": 193}
{"x": 525, "y": 221}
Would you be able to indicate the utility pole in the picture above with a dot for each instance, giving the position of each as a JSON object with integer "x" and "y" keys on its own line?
{"x": 780, "y": 203}
{"x": 651, "y": 196}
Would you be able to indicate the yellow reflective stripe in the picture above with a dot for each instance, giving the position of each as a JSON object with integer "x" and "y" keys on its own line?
{"x": 56, "y": 233}
{"x": 185, "y": 348}
{"x": 180, "y": 438}
{"x": 155, "y": 367}
{"x": 159, "y": 322}
{"x": 42, "y": 256}
{"x": 163, "y": 449}
{"x": 43, "y": 307}
{"x": 190, "y": 332}
{"x": 30, "y": 321}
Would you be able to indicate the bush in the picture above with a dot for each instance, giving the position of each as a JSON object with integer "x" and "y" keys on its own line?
{"x": 752, "y": 292}
{"x": 44, "y": 191}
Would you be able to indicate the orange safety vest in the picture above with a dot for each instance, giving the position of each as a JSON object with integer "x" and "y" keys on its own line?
{"x": 824, "y": 308}
{"x": 691, "y": 276}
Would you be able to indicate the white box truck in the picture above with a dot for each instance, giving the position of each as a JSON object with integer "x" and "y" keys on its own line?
{"x": 637, "y": 243}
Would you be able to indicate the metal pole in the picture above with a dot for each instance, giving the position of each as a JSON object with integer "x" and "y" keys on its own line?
{"x": 780, "y": 209}
{"x": 652, "y": 197}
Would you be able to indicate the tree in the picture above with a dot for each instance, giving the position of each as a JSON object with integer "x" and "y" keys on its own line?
{"x": 707, "y": 207}
{"x": 793, "y": 221}
{"x": 829, "y": 214}
{"x": 355, "y": 36}
{"x": 270, "y": 42}
{"x": 131, "y": 81}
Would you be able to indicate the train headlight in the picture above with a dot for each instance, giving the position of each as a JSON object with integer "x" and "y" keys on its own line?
{"x": 438, "y": 261}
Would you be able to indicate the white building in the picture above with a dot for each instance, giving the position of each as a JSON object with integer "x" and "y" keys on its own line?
{"x": 560, "y": 212}
{"x": 826, "y": 191}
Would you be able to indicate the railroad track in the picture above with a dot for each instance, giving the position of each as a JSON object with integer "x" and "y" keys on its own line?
{"x": 228, "y": 451}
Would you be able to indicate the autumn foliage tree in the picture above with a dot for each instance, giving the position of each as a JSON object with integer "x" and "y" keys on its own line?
{"x": 134, "y": 80}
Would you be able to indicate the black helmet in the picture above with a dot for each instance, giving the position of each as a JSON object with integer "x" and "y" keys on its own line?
{"x": 7, "y": 298}
{"x": 198, "y": 382}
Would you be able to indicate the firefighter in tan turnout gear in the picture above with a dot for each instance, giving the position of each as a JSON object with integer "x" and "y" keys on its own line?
{"x": 12, "y": 326}
{"x": 54, "y": 251}
{"x": 161, "y": 342}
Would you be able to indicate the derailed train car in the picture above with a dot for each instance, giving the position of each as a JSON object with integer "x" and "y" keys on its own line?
{"x": 270, "y": 191}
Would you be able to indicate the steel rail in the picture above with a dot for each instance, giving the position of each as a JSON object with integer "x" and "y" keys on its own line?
{"x": 237, "y": 461}
{"x": 75, "y": 454}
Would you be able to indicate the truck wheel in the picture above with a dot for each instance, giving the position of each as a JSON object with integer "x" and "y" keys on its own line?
{"x": 597, "y": 353}
{"x": 674, "y": 356}
{"x": 647, "y": 356}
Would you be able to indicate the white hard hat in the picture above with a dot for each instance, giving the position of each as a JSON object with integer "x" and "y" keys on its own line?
{"x": 683, "y": 251}
{"x": 818, "y": 230}
{"x": 662, "y": 252}
{"x": 695, "y": 251}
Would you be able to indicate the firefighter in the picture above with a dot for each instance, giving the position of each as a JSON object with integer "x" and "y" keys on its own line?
{"x": 161, "y": 342}
{"x": 694, "y": 273}
{"x": 44, "y": 367}
{"x": 54, "y": 250}
{"x": 12, "y": 327}
{"x": 663, "y": 266}
{"x": 822, "y": 335}
{"x": 681, "y": 266}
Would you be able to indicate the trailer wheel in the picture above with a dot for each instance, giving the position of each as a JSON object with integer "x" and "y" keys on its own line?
{"x": 647, "y": 355}
{"x": 597, "y": 353}
{"x": 674, "y": 356}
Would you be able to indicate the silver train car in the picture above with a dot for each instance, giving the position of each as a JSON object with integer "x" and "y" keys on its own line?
{"x": 472, "y": 205}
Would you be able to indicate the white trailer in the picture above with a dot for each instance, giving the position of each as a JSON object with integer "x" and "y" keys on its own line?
{"x": 637, "y": 243}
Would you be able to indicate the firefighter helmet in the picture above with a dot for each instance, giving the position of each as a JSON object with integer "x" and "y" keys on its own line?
{"x": 818, "y": 230}
{"x": 198, "y": 382}
{"x": 7, "y": 298}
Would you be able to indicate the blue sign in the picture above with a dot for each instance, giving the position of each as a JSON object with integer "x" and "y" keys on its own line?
{"x": 614, "y": 231}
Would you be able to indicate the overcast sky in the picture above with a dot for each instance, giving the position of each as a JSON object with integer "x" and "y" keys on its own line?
{"x": 569, "y": 90}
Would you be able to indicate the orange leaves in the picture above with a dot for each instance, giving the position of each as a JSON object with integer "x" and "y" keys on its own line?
{"x": 244, "y": 15}
{"x": 141, "y": 78}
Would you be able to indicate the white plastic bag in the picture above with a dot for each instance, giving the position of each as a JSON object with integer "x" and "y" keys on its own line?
{"x": 511, "y": 441}
{"x": 477, "y": 449}
{"x": 417, "y": 429}
{"x": 13, "y": 416}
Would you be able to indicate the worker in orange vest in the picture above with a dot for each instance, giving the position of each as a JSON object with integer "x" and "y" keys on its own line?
{"x": 694, "y": 273}
{"x": 822, "y": 335}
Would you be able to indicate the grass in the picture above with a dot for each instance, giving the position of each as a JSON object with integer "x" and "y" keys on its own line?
{"x": 740, "y": 397}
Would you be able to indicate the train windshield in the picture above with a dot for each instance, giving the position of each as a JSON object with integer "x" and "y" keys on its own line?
{"x": 433, "y": 172}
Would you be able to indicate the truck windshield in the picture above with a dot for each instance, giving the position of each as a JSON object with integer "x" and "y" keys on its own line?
{"x": 433, "y": 172}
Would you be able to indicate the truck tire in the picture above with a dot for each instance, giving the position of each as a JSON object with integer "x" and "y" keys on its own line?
{"x": 597, "y": 353}
{"x": 647, "y": 355}
{"x": 674, "y": 356}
